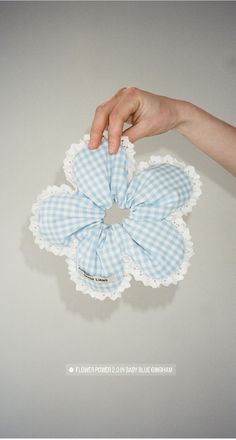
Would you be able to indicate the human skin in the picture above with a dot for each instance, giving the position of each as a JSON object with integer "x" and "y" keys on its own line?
{"x": 149, "y": 114}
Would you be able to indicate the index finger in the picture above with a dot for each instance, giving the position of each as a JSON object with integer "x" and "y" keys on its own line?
{"x": 101, "y": 118}
{"x": 98, "y": 126}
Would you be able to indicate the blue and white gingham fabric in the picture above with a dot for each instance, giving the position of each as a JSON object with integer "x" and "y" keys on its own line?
{"x": 70, "y": 221}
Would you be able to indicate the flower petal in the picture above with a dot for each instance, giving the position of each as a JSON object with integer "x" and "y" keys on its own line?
{"x": 158, "y": 191}
{"x": 157, "y": 249}
{"x": 101, "y": 176}
{"x": 61, "y": 214}
{"x": 98, "y": 255}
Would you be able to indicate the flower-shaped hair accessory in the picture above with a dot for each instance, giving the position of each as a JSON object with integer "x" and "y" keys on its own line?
{"x": 153, "y": 244}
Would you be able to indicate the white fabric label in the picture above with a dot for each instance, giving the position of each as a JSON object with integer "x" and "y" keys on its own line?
{"x": 96, "y": 278}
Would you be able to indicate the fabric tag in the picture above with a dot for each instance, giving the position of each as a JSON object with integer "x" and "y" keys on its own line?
{"x": 96, "y": 278}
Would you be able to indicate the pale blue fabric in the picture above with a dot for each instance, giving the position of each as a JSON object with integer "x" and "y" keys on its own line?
{"x": 153, "y": 243}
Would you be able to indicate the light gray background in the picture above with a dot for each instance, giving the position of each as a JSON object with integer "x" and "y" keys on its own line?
{"x": 58, "y": 62}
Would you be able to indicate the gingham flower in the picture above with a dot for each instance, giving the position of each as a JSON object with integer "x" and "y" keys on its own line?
{"x": 153, "y": 244}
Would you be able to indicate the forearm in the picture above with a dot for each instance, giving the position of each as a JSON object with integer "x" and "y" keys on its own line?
{"x": 211, "y": 135}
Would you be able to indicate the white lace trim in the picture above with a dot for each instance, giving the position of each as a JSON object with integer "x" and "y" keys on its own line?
{"x": 34, "y": 220}
{"x": 129, "y": 148}
{"x": 83, "y": 143}
{"x": 74, "y": 276}
{"x": 130, "y": 268}
{"x": 179, "y": 274}
{"x": 69, "y": 159}
{"x": 189, "y": 170}
{"x": 177, "y": 221}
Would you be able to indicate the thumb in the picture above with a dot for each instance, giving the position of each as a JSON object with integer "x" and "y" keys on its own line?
{"x": 135, "y": 132}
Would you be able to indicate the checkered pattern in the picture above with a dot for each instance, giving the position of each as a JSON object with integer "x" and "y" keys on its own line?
{"x": 152, "y": 195}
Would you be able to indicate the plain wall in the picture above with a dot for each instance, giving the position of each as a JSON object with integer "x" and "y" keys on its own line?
{"x": 58, "y": 62}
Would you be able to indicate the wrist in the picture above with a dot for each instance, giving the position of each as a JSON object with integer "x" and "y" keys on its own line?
{"x": 184, "y": 114}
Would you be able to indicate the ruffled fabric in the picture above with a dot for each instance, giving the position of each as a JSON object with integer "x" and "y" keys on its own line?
{"x": 153, "y": 244}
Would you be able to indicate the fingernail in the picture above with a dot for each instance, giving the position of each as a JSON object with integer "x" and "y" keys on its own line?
{"x": 91, "y": 144}
{"x": 111, "y": 149}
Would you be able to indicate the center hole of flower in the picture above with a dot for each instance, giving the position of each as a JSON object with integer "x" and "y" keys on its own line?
{"x": 115, "y": 214}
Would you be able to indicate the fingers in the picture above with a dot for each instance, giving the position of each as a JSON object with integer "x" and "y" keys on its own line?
{"x": 119, "y": 115}
{"x": 99, "y": 124}
{"x": 101, "y": 119}
{"x": 113, "y": 113}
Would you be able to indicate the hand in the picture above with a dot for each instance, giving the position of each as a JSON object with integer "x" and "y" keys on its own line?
{"x": 148, "y": 114}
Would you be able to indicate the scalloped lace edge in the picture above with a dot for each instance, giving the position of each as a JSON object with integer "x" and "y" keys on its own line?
{"x": 189, "y": 170}
{"x": 180, "y": 272}
{"x": 34, "y": 221}
{"x": 83, "y": 143}
{"x": 96, "y": 294}
{"x": 130, "y": 268}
